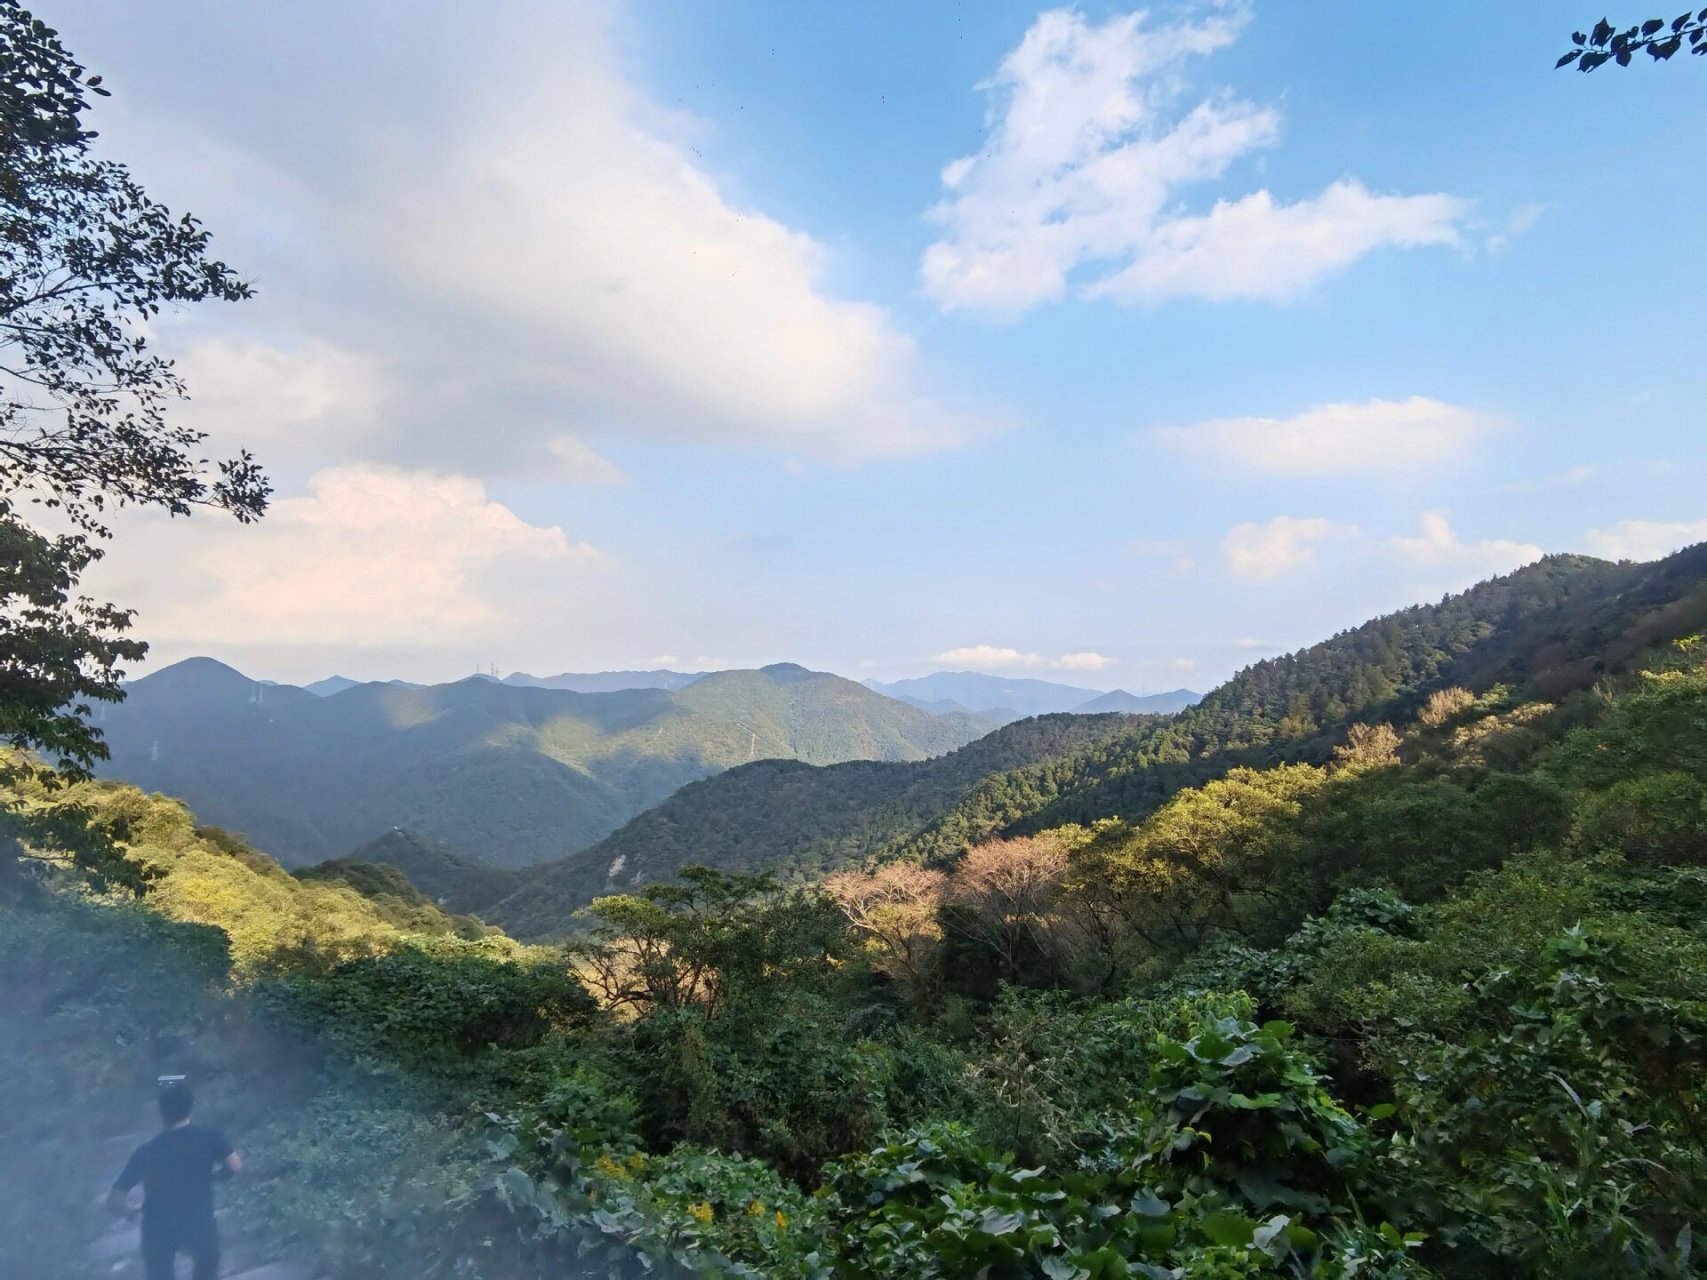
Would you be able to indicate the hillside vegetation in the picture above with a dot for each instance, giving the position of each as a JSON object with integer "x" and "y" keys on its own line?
{"x": 510, "y": 774}
{"x": 1562, "y": 624}
{"x": 785, "y": 818}
{"x": 1429, "y": 1003}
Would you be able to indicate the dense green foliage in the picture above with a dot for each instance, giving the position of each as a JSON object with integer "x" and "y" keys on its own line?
{"x": 514, "y": 775}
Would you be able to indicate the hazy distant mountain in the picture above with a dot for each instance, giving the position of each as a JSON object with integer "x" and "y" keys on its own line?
{"x": 606, "y": 681}
{"x": 981, "y": 693}
{"x": 337, "y": 684}
{"x": 330, "y": 685}
{"x": 511, "y": 774}
{"x": 949, "y": 707}
{"x": 1162, "y": 704}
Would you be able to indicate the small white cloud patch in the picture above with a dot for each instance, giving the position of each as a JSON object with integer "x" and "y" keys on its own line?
{"x": 1257, "y": 552}
{"x": 1645, "y": 539}
{"x": 1439, "y": 547}
{"x": 1373, "y": 437}
{"x": 986, "y": 657}
{"x": 1082, "y": 662}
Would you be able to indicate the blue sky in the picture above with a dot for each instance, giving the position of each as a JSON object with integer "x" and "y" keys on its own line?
{"x": 1115, "y": 345}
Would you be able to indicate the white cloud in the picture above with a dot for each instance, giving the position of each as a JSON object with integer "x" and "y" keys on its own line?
{"x": 1645, "y": 539}
{"x": 633, "y": 284}
{"x": 369, "y": 557}
{"x": 1373, "y": 437}
{"x": 304, "y": 402}
{"x": 1185, "y": 664}
{"x": 1251, "y": 642}
{"x": 581, "y": 270}
{"x": 986, "y": 657}
{"x": 663, "y": 660}
{"x": 1521, "y": 219}
{"x": 1440, "y": 548}
{"x": 1255, "y": 247}
{"x": 1090, "y": 148}
{"x": 1261, "y": 551}
{"x": 1082, "y": 662}
{"x": 576, "y": 462}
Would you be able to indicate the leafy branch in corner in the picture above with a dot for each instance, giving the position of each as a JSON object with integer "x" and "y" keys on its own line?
{"x": 1660, "y": 39}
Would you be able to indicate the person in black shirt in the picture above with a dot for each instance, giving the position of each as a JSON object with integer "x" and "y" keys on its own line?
{"x": 175, "y": 1169}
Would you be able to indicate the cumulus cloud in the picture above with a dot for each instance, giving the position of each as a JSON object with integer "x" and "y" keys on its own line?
{"x": 1369, "y": 438}
{"x": 637, "y": 286}
{"x": 1258, "y": 552}
{"x": 1645, "y": 539}
{"x": 1092, "y": 143}
{"x": 986, "y": 657}
{"x": 369, "y": 557}
{"x": 1082, "y": 662}
{"x": 580, "y": 273}
{"x": 1440, "y": 548}
{"x": 1255, "y": 645}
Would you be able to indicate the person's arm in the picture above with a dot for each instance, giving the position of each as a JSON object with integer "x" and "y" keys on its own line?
{"x": 118, "y": 1199}
{"x": 225, "y": 1158}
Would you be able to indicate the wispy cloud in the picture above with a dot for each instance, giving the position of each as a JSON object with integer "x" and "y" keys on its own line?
{"x": 1373, "y": 437}
{"x": 1178, "y": 554}
{"x": 1093, "y": 141}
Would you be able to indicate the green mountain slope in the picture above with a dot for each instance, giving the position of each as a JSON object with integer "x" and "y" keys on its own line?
{"x": 514, "y": 775}
{"x": 789, "y": 818}
{"x": 1557, "y": 625}
{"x": 436, "y": 870}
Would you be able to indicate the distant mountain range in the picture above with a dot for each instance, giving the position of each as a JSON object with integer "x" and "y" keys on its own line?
{"x": 1553, "y": 628}
{"x": 607, "y": 681}
{"x": 1005, "y": 699}
{"x": 514, "y": 773}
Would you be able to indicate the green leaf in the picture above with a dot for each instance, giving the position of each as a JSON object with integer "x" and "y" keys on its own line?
{"x": 1149, "y": 1205}
{"x": 1228, "y": 1228}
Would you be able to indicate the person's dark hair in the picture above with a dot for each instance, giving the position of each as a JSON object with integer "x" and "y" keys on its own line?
{"x": 176, "y": 1101}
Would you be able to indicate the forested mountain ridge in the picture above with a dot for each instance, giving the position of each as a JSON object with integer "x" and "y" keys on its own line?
{"x": 511, "y": 774}
{"x": 1558, "y": 624}
{"x": 785, "y": 817}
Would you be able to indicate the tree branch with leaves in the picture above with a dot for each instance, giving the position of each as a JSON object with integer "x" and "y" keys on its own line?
{"x": 87, "y": 262}
{"x": 1656, "y": 37}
